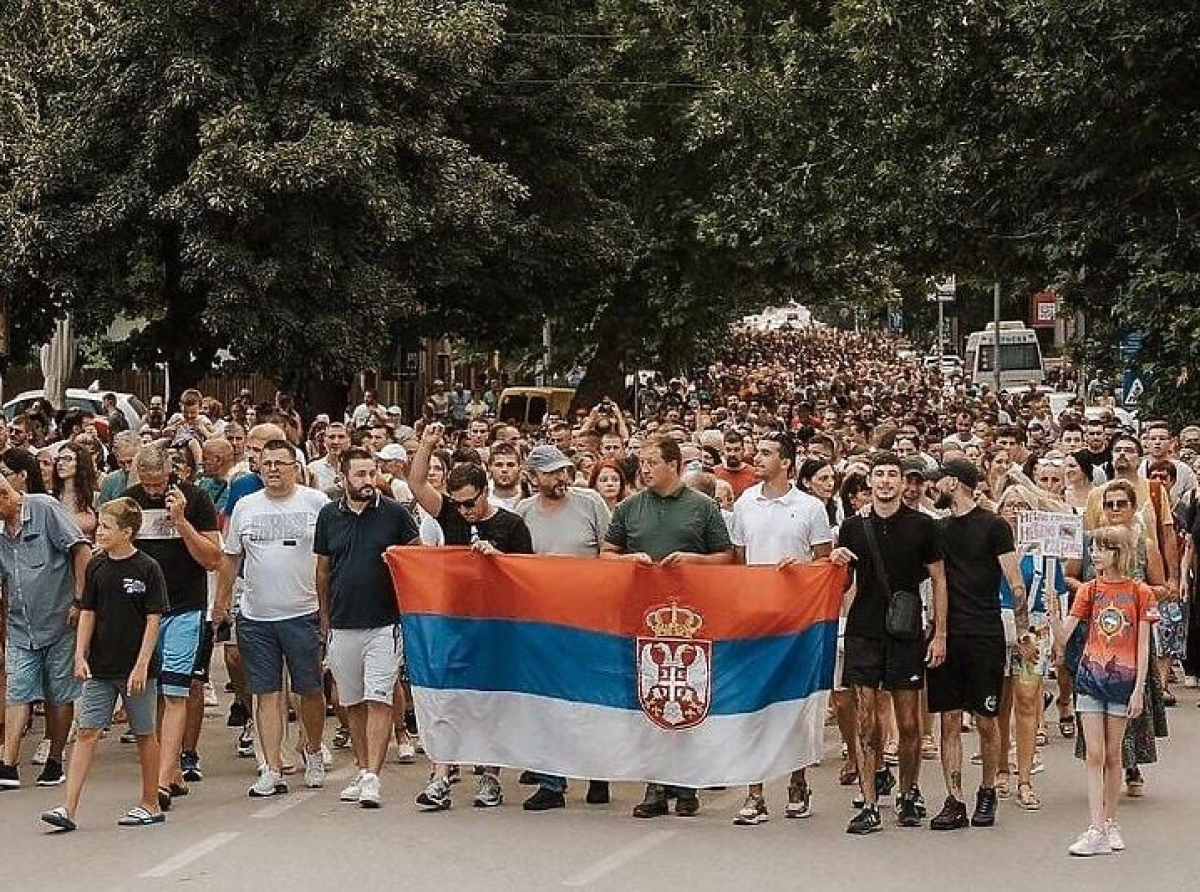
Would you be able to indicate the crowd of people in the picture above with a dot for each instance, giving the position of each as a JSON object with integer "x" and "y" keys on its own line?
{"x": 130, "y": 557}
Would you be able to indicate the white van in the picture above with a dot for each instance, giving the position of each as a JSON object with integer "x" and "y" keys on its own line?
{"x": 1020, "y": 357}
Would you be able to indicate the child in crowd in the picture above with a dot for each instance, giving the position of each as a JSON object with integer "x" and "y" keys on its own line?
{"x": 1111, "y": 678}
{"x": 124, "y": 596}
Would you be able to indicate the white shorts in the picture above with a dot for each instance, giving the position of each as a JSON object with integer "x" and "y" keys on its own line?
{"x": 365, "y": 663}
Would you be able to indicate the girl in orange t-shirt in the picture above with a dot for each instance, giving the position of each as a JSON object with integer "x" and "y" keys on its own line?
{"x": 1111, "y": 678}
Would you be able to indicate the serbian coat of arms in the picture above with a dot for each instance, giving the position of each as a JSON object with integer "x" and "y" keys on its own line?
{"x": 674, "y": 668}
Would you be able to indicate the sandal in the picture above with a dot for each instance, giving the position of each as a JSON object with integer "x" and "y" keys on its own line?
{"x": 1026, "y": 798}
{"x": 1002, "y": 781}
{"x": 849, "y": 774}
{"x": 1066, "y": 726}
{"x": 929, "y": 749}
{"x": 139, "y": 817}
{"x": 1042, "y": 739}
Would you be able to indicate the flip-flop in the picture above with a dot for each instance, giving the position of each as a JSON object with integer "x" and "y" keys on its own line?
{"x": 58, "y": 818}
{"x": 139, "y": 817}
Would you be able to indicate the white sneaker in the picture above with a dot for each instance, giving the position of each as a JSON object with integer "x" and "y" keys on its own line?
{"x": 314, "y": 771}
{"x": 1092, "y": 841}
{"x": 326, "y": 756}
{"x": 268, "y": 784}
{"x": 42, "y": 753}
{"x": 369, "y": 791}
{"x": 406, "y": 753}
{"x": 353, "y": 791}
{"x": 210, "y": 696}
{"x": 488, "y": 794}
{"x": 1116, "y": 841}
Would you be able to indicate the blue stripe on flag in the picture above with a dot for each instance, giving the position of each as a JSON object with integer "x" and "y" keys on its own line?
{"x": 458, "y": 653}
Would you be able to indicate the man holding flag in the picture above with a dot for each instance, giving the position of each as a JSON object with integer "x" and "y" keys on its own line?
{"x": 668, "y": 524}
{"x": 774, "y": 523}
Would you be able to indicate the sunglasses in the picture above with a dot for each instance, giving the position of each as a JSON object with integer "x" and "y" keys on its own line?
{"x": 1116, "y": 506}
{"x": 464, "y": 503}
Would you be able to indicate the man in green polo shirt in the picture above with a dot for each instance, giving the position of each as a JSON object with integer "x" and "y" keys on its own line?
{"x": 667, "y": 523}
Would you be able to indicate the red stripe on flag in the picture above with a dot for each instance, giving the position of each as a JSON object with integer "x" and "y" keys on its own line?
{"x": 614, "y": 596}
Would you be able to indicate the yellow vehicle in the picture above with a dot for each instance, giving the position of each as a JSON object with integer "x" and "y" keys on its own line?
{"x": 529, "y": 406}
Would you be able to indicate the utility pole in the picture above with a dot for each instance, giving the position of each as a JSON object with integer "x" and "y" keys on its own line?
{"x": 996, "y": 317}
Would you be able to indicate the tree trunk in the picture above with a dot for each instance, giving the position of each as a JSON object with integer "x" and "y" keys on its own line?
{"x": 604, "y": 375}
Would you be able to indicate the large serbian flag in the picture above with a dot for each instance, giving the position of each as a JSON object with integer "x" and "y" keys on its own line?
{"x": 692, "y": 675}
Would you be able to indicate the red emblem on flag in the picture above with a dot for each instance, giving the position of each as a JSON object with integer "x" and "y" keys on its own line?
{"x": 674, "y": 668}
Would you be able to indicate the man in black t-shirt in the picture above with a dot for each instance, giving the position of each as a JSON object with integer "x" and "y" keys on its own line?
{"x": 909, "y": 550}
{"x": 359, "y": 614}
{"x": 180, "y": 532}
{"x": 979, "y": 547}
{"x": 466, "y": 517}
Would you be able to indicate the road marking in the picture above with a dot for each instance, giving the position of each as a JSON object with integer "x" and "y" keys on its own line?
{"x": 620, "y": 858}
{"x": 279, "y": 806}
{"x": 187, "y": 856}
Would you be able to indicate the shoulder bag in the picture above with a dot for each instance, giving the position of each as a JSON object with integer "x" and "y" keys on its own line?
{"x": 903, "y": 618}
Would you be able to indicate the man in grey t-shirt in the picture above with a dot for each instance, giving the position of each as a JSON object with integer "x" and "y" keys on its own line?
{"x": 567, "y": 521}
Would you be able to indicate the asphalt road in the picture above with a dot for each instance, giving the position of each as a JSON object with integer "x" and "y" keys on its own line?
{"x": 217, "y": 838}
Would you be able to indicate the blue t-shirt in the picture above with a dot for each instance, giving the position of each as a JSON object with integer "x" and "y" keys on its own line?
{"x": 243, "y": 486}
{"x": 1033, "y": 572}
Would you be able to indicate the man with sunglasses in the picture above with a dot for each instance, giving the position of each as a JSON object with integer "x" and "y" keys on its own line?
{"x": 467, "y": 517}
{"x": 270, "y": 539}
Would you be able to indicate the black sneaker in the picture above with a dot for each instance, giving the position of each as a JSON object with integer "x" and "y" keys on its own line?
{"x": 189, "y": 766}
{"x": 238, "y": 715}
{"x": 866, "y": 821}
{"x": 920, "y": 801}
{"x": 985, "y": 808}
{"x": 653, "y": 806}
{"x": 544, "y": 800}
{"x": 906, "y": 810}
{"x": 953, "y": 816}
{"x": 885, "y": 782}
{"x": 687, "y": 806}
{"x": 52, "y": 774}
{"x": 9, "y": 778}
{"x": 597, "y": 793}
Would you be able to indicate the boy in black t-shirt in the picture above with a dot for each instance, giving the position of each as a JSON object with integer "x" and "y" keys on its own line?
{"x": 124, "y": 596}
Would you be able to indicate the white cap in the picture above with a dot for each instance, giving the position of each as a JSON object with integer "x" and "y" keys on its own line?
{"x": 392, "y": 452}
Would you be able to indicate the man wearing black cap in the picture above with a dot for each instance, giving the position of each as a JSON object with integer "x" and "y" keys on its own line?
{"x": 980, "y": 547}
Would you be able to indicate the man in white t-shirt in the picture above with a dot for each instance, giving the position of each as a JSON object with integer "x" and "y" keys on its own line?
{"x": 324, "y": 472}
{"x": 270, "y": 539}
{"x": 774, "y": 523}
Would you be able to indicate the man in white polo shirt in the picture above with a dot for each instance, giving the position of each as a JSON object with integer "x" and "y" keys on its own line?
{"x": 774, "y": 523}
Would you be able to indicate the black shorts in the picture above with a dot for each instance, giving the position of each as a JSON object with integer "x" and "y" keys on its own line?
{"x": 972, "y": 678}
{"x": 886, "y": 663}
{"x": 204, "y": 652}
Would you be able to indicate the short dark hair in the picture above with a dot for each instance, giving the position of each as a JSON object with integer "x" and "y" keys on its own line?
{"x": 349, "y": 455}
{"x": 787, "y": 446}
{"x": 733, "y": 435}
{"x": 1123, "y": 437}
{"x": 279, "y": 446}
{"x": 667, "y": 448}
{"x": 467, "y": 474}
{"x": 885, "y": 458}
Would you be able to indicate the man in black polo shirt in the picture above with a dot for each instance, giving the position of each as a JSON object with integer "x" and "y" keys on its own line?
{"x": 180, "y": 531}
{"x": 359, "y": 616}
{"x": 667, "y": 523}
{"x": 908, "y": 545}
{"x": 467, "y": 517}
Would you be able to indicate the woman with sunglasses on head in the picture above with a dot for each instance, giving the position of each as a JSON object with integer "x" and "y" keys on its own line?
{"x": 1029, "y": 651}
{"x": 74, "y": 485}
{"x": 1119, "y": 506}
{"x": 1049, "y": 475}
{"x": 1113, "y": 673}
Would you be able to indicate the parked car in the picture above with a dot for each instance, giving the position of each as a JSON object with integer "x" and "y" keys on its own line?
{"x": 78, "y": 398}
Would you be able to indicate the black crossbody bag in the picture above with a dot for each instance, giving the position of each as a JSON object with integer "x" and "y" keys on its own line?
{"x": 903, "y": 618}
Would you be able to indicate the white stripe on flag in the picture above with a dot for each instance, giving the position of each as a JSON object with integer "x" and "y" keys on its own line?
{"x": 598, "y": 742}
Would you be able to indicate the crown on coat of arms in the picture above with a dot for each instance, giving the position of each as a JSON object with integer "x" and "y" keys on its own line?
{"x": 674, "y": 621}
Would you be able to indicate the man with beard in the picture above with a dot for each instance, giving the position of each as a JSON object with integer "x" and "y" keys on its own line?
{"x": 909, "y": 551}
{"x": 359, "y": 616}
{"x": 561, "y": 520}
{"x": 734, "y": 469}
{"x": 979, "y": 548}
{"x": 504, "y": 467}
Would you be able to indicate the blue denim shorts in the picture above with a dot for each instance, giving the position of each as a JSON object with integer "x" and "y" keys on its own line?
{"x": 1088, "y": 703}
{"x": 44, "y": 673}
{"x": 266, "y": 645}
